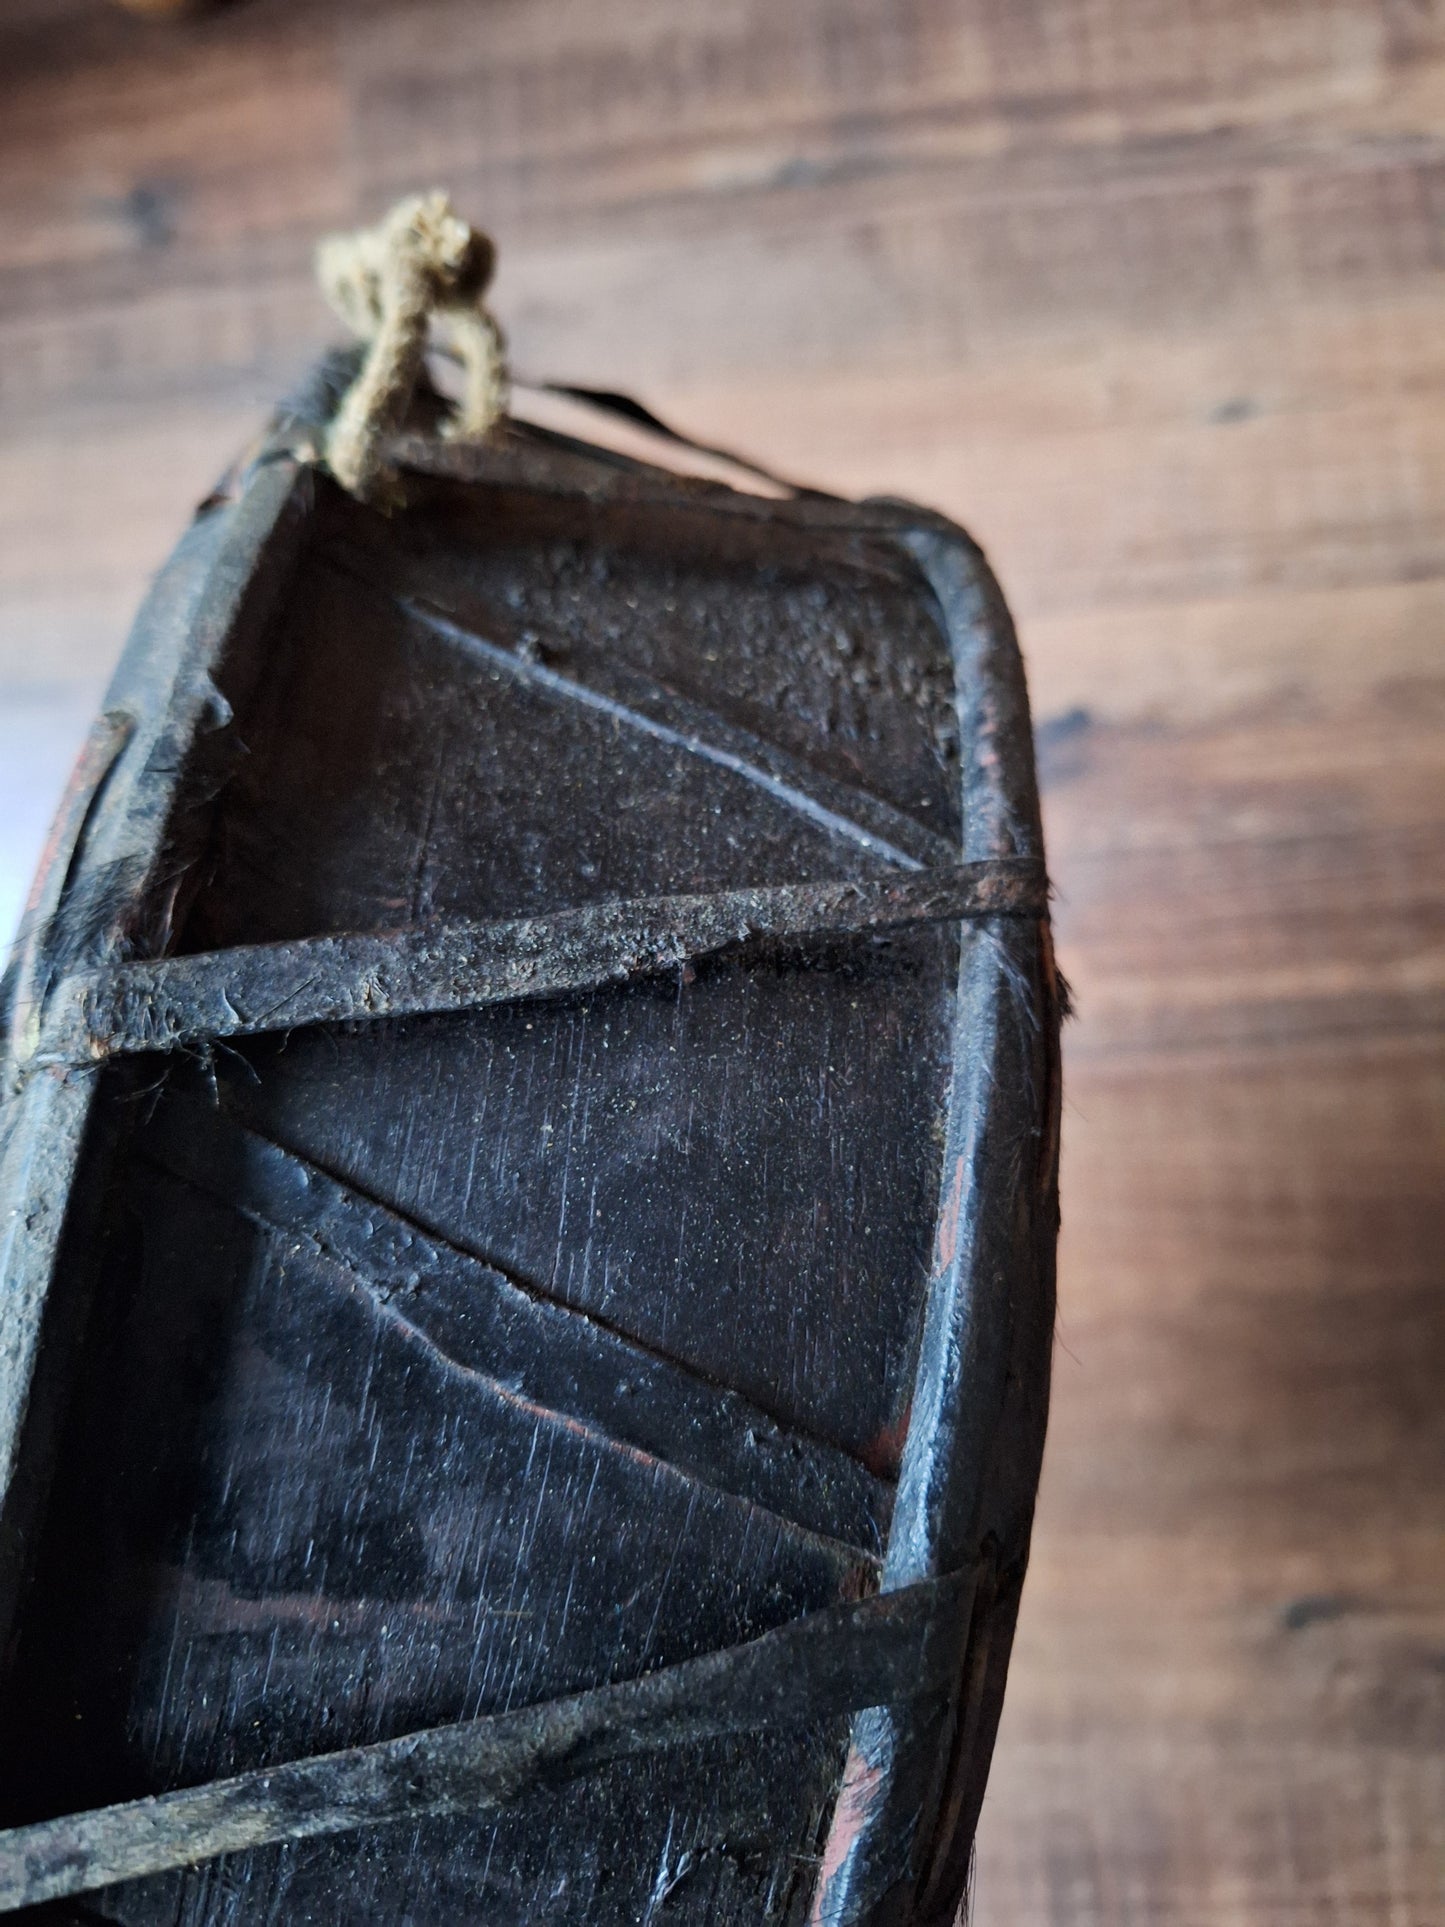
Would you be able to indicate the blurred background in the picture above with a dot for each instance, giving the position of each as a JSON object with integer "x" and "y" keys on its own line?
{"x": 1150, "y": 294}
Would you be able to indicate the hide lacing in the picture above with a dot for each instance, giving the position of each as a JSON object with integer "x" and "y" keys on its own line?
{"x": 419, "y": 268}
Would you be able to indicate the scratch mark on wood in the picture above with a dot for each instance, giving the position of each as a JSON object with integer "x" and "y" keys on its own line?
{"x": 893, "y": 1648}
{"x": 562, "y": 1365}
{"x": 638, "y": 703}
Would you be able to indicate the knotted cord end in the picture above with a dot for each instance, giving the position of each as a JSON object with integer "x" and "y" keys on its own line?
{"x": 420, "y": 269}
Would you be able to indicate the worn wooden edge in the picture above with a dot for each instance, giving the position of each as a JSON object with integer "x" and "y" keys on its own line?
{"x": 164, "y": 691}
{"x": 892, "y": 1647}
{"x": 24, "y": 988}
{"x": 900, "y": 1844}
{"x": 526, "y": 456}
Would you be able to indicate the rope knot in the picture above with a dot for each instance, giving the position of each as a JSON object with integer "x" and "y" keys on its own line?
{"x": 421, "y": 266}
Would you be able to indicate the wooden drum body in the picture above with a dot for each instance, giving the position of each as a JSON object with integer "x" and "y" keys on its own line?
{"x": 528, "y": 1187}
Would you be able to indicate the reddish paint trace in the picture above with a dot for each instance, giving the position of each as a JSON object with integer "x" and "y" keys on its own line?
{"x": 948, "y": 1222}
{"x": 883, "y": 1454}
{"x": 851, "y": 1815}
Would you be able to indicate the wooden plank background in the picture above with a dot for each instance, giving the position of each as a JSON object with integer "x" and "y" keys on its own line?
{"x": 1150, "y": 294}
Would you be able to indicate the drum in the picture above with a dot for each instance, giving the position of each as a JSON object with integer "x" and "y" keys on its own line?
{"x": 528, "y": 1185}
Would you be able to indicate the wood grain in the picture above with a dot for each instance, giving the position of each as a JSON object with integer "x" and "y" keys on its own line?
{"x": 1149, "y": 297}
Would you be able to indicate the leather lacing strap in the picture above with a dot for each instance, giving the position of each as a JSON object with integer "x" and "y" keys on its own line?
{"x": 891, "y": 1649}
{"x": 187, "y": 1001}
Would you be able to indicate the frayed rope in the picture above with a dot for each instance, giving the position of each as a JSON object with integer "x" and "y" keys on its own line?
{"x": 421, "y": 265}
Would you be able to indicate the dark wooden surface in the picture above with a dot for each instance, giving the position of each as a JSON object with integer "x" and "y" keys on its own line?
{"x": 480, "y": 1348}
{"x": 1150, "y": 297}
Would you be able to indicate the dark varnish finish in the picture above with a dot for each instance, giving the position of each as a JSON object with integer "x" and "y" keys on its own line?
{"x": 528, "y": 1162}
